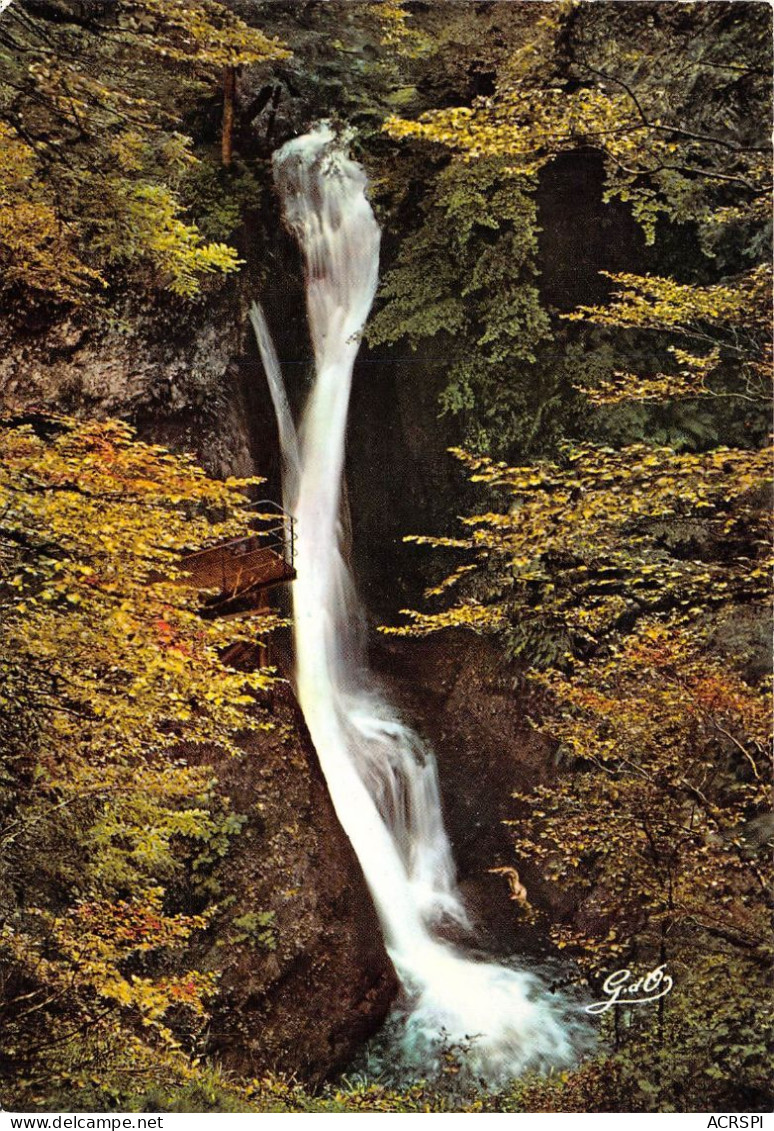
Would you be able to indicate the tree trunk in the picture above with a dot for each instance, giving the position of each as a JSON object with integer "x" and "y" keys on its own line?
{"x": 227, "y": 131}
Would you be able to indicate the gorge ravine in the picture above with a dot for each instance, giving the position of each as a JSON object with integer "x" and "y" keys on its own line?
{"x": 382, "y": 779}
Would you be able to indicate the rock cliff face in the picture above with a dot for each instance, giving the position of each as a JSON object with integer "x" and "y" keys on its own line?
{"x": 170, "y": 368}
{"x": 304, "y": 1007}
{"x": 474, "y": 709}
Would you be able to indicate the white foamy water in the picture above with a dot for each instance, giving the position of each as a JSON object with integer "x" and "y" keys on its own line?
{"x": 382, "y": 779}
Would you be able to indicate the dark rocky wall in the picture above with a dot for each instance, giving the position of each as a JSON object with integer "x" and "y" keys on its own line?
{"x": 579, "y": 234}
{"x": 306, "y": 1007}
{"x": 474, "y": 709}
{"x": 400, "y": 475}
{"x": 169, "y": 367}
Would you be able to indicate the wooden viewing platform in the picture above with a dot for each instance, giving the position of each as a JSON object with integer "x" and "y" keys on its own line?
{"x": 243, "y": 569}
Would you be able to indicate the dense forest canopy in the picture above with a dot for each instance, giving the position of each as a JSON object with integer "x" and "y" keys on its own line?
{"x": 575, "y": 205}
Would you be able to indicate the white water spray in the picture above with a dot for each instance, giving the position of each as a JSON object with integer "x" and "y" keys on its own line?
{"x": 381, "y": 778}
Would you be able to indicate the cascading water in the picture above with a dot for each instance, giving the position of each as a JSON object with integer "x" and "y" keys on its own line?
{"x": 381, "y": 778}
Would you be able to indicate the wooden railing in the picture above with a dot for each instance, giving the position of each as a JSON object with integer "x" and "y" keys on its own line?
{"x": 242, "y": 568}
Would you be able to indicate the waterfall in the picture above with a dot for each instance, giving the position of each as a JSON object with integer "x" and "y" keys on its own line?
{"x": 381, "y": 777}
